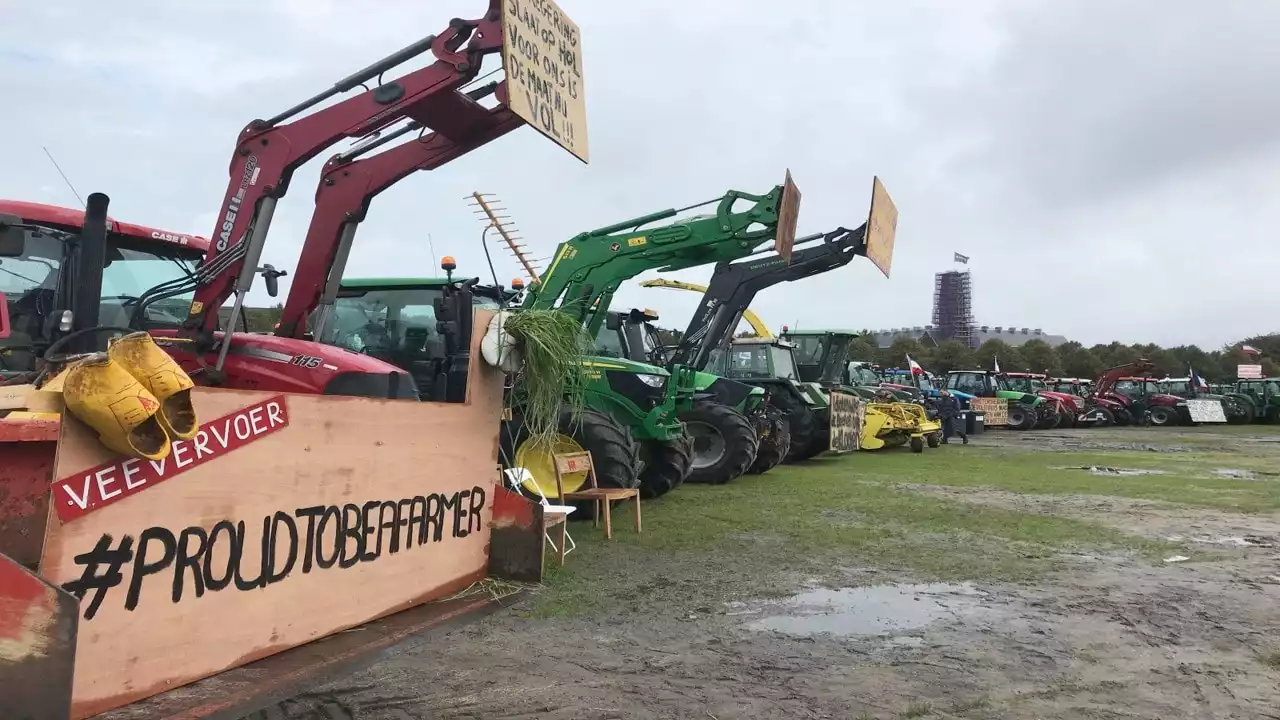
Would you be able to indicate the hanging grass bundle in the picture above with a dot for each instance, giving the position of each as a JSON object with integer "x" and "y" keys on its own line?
{"x": 552, "y": 376}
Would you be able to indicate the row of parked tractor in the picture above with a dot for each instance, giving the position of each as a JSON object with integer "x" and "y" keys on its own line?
{"x": 1123, "y": 395}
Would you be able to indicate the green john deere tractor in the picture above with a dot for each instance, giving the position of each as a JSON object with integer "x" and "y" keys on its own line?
{"x": 634, "y": 422}
{"x": 1026, "y": 410}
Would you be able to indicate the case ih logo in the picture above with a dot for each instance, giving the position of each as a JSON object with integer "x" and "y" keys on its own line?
{"x": 233, "y": 204}
{"x": 168, "y": 237}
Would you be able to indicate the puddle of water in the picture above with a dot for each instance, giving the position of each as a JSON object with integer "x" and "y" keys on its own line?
{"x": 875, "y": 610}
{"x": 1104, "y": 470}
{"x": 1233, "y": 473}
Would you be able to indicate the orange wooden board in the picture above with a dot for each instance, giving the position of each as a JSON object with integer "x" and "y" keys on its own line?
{"x": 360, "y": 507}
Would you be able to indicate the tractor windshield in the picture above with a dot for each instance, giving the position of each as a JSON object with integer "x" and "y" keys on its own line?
{"x": 30, "y": 280}
{"x": 387, "y": 321}
{"x": 808, "y": 350}
{"x": 862, "y": 375}
{"x": 784, "y": 365}
{"x": 609, "y": 342}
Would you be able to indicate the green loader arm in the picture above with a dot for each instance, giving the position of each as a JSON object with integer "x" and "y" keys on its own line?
{"x": 589, "y": 268}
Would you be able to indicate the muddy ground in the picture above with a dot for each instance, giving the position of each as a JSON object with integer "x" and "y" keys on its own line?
{"x": 1187, "y": 628}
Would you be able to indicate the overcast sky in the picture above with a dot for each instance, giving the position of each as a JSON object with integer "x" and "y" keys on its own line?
{"x": 1109, "y": 166}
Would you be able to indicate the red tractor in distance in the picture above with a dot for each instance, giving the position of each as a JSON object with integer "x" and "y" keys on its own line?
{"x": 1072, "y": 409}
{"x": 1141, "y": 396}
{"x": 1106, "y": 411}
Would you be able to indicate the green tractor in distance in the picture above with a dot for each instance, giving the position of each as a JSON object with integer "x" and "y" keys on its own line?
{"x": 1026, "y": 410}
{"x": 1237, "y": 408}
{"x": 1261, "y": 397}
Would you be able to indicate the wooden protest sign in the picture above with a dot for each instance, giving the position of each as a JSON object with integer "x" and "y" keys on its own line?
{"x": 882, "y": 227}
{"x": 847, "y": 414}
{"x": 338, "y": 510}
{"x": 542, "y": 56}
{"x": 788, "y": 218}
{"x": 995, "y": 409}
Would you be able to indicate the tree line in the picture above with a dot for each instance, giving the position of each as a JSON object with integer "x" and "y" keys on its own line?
{"x": 1073, "y": 359}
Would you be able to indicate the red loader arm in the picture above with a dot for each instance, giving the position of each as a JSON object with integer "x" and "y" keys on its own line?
{"x": 1108, "y": 378}
{"x": 268, "y": 151}
{"x": 347, "y": 186}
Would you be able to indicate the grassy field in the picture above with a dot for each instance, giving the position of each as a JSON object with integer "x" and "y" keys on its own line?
{"x": 827, "y": 518}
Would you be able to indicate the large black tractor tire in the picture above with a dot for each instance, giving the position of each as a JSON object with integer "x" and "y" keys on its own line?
{"x": 933, "y": 439}
{"x": 1164, "y": 416}
{"x": 724, "y": 442}
{"x": 1066, "y": 419}
{"x": 917, "y": 444}
{"x": 614, "y": 452}
{"x": 821, "y": 441}
{"x": 1105, "y": 417}
{"x": 666, "y": 465}
{"x": 1021, "y": 417}
{"x": 1048, "y": 421}
{"x": 1122, "y": 417}
{"x": 802, "y": 421}
{"x": 1242, "y": 414}
{"x": 775, "y": 445}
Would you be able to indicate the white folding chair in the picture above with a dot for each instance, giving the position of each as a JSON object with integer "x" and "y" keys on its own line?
{"x": 553, "y": 514}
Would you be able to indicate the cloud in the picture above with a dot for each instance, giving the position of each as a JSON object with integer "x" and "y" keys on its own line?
{"x": 1106, "y": 165}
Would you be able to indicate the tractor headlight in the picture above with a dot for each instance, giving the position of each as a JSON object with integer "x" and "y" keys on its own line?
{"x": 653, "y": 381}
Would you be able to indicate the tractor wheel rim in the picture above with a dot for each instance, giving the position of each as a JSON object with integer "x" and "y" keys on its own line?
{"x": 709, "y": 446}
{"x": 542, "y": 467}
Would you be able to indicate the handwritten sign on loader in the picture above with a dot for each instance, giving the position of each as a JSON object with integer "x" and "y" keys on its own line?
{"x": 788, "y": 217}
{"x": 882, "y": 226}
{"x": 542, "y": 55}
{"x": 112, "y": 481}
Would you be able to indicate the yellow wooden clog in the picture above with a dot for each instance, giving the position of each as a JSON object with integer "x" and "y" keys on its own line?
{"x": 165, "y": 379}
{"x": 108, "y": 399}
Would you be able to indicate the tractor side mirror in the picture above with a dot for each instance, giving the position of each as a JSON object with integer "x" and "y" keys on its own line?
{"x": 13, "y": 239}
{"x": 4, "y": 317}
{"x": 613, "y": 321}
{"x": 271, "y": 276}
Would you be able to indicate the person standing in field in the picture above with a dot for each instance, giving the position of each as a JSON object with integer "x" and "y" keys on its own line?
{"x": 949, "y": 413}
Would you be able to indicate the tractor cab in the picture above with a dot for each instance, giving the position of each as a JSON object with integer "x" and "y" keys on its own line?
{"x": 39, "y": 278}
{"x": 756, "y": 358}
{"x": 1148, "y": 396}
{"x": 1026, "y": 410}
{"x": 1071, "y": 406}
{"x": 395, "y": 320}
{"x": 1263, "y": 395}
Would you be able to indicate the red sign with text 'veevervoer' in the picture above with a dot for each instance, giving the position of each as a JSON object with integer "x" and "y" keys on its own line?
{"x": 113, "y": 481}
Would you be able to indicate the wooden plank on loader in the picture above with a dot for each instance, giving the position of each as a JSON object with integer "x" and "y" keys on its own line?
{"x": 788, "y": 218}
{"x": 542, "y": 57}
{"x": 882, "y": 227}
{"x": 351, "y": 510}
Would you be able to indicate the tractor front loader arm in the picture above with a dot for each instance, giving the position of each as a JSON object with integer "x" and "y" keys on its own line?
{"x": 734, "y": 285}
{"x": 1107, "y": 380}
{"x": 268, "y": 151}
{"x": 757, "y": 325}
{"x": 588, "y": 269}
{"x": 349, "y": 183}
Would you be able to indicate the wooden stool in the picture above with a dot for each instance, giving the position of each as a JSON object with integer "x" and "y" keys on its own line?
{"x": 601, "y": 498}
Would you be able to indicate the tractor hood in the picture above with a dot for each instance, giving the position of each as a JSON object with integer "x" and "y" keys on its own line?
{"x": 599, "y": 362}
{"x": 1073, "y": 401}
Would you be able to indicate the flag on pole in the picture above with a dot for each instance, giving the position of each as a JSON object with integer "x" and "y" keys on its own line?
{"x": 1198, "y": 383}
{"x": 1250, "y": 350}
{"x": 914, "y": 366}
{"x": 962, "y": 258}
{"x": 995, "y": 362}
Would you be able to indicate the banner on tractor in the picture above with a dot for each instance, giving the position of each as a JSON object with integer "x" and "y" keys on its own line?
{"x": 847, "y": 414}
{"x": 788, "y": 218}
{"x": 1206, "y": 411}
{"x": 343, "y": 510}
{"x": 1249, "y": 372}
{"x": 542, "y": 57}
{"x": 882, "y": 227}
{"x": 996, "y": 410}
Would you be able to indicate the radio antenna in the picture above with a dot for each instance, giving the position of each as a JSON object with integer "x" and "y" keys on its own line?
{"x": 64, "y": 175}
